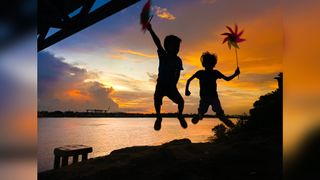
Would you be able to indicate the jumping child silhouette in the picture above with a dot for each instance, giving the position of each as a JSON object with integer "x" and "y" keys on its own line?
{"x": 208, "y": 88}
{"x": 169, "y": 69}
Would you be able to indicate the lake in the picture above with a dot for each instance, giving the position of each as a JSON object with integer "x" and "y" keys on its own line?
{"x": 108, "y": 134}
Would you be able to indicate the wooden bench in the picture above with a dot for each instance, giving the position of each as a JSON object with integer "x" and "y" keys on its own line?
{"x": 67, "y": 151}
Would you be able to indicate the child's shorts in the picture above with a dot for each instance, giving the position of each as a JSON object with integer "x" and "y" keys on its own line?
{"x": 206, "y": 101}
{"x": 171, "y": 92}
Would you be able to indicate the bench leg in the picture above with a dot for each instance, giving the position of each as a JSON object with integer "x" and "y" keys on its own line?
{"x": 64, "y": 161}
{"x": 75, "y": 158}
{"x": 84, "y": 156}
{"x": 56, "y": 164}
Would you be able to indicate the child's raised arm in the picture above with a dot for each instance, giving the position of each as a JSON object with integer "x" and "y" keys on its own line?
{"x": 228, "y": 78}
{"x": 155, "y": 38}
{"x": 187, "y": 93}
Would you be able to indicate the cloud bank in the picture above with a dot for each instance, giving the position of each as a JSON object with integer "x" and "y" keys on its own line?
{"x": 62, "y": 86}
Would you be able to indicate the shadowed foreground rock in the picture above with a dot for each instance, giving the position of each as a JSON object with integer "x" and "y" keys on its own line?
{"x": 240, "y": 157}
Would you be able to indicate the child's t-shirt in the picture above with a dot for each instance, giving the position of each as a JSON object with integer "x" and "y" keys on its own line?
{"x": 169, "y": 68}
{"x": 207, "y": 80}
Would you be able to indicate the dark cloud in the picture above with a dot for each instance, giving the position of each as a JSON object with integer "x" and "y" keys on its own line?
{"x": 62, "y": 86}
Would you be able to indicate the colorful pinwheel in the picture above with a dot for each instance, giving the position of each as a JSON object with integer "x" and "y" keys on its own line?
{"x": 145, "y": 16}
{"x": 233, "y": 38}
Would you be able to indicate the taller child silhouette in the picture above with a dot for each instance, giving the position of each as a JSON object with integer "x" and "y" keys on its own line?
{"x": 170, "y": 66}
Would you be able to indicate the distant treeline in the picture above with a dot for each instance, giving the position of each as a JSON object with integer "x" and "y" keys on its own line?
{"x": 117, "y": 114}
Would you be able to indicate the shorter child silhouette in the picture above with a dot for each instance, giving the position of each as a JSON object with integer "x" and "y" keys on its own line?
{"x": 208, "y": 88}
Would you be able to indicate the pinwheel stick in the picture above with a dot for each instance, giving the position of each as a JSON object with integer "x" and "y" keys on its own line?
{"x": 237, "y": 60}
{"x": 150, "y": 19}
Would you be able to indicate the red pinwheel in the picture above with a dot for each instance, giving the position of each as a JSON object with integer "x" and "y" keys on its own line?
{"x": 233, "y": 38}
{"x": 145, "y": 16}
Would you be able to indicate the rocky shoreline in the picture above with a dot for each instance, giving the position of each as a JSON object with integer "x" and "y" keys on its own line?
{"x": 249, "y": 156}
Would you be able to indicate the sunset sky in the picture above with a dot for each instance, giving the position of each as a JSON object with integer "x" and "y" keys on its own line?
{"x": 114, "y": 64}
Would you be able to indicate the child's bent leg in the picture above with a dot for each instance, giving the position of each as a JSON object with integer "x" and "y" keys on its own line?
{"x": 216, "y": 107}
{"x": 157, "y": 105}
{"x": 158, "y": 96}
{"x": 203, "y": 108}
{"x": 176, "y": 97}
{"x": 182, "y": 121}
{"x": 180, "y": 106}
{"x": 225, "y": 120}
{"x": 157, "y": 123}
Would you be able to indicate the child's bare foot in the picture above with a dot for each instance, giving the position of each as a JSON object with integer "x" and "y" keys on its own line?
{"x": 195, "y": 119}
{"x": 157, "y": 124}
{"x": 182, "y": 121}
{"x": 227, "y": 122}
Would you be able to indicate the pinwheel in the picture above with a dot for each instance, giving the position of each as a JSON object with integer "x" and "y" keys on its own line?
{"x": 233, "y": 38}
{"x": 145, "y": 16}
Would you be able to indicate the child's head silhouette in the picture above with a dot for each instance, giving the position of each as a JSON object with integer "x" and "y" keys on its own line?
{"x": 208, "y": 60}
{"x": 172, "y": 44}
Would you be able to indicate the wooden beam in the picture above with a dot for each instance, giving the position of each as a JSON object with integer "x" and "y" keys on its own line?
{"x": 79, "y": 24}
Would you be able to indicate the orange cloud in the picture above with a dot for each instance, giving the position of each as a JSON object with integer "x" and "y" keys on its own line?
{"x": 75, "y": 93}
{"x": 163, "y": 13}
{"x": 117, "y": 56}
{"x": 137, "y": 53}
